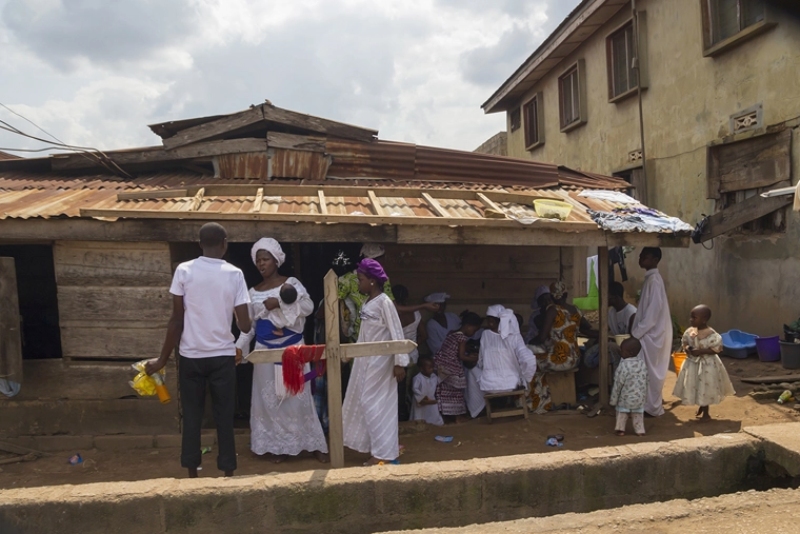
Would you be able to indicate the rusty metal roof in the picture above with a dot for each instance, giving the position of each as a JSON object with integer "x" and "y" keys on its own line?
{"x": 373, "y": 201}
{"x": 6, "y": 156}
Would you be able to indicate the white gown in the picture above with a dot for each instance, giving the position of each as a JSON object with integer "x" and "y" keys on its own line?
{"x": 281, "y": 426}
{"x": 369, "y": 413}
{"x": 437, "y": 332}
{"x": 425, "y": 386}
{"x": 653, "y": 328}
{"x": 505, "y": 363}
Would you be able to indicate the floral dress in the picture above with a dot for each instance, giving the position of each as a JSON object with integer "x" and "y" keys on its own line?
{"x": 452, "y": 375}
{"x": 703, "y": 379}
{"x": 562, "y": 354}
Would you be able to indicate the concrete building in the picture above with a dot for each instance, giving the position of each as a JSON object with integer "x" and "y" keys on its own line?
{"x": 719, "y": 119}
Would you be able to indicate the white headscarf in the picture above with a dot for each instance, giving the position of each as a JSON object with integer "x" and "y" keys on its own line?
{"x": 271, "y": 246}
{"x": 372, "y": 250}
{"x": 437, "y": 298}
{"x": 508, "y": 322}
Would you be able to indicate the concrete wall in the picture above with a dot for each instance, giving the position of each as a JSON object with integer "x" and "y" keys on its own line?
{"x": 687, "y": 106}
{"x": 496, "y": 145}
{"x": 421, "y": 495}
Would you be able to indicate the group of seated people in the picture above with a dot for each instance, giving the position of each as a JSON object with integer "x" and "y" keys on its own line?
{"x": 470, "y": 356}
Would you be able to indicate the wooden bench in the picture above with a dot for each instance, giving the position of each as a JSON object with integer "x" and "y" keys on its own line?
{"x": 562, "y": 387}
{"x": 520, "y": 393}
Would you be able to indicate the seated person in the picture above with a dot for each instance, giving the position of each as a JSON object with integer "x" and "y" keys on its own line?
{"x": 506, "y": 363}
{"x": 620, "y": 321}
{"x": 425, "y": 406}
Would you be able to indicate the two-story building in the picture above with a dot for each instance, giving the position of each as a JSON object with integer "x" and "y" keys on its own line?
{"x": 697, "y": 104}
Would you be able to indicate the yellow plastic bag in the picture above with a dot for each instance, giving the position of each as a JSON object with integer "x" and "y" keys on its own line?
{"x": 149, "y": 385}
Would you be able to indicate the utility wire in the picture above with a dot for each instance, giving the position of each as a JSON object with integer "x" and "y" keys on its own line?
{"x": 89, "y": 153}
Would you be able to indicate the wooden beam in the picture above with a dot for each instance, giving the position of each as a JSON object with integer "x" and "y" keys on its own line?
{"x": 435, "y": 206}
{"x": 125, "y": 158}
{"x": 602, "y": 285}
{"x": 10, "y": 325}
{"x": 22, "y": 231}
{"x": 331, "y": 128}
{"x": 324, "y": 219}
{"x": 742, "y": 213}
{"x": 376, "y": 204}
{"x": 197, "y": 200}
{"x": 323, "y": 206}
{"x": 295, "y": 142}
{"x": 347, "y": 351}
{"x": 334, "y": 369}
{"x": 490, "y": 205}
{"x": 259, "y": 200}
{"x": 333, "y": 191}
{"x": 227, "y": 125}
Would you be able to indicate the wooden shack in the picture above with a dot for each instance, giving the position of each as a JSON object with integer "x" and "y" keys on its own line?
{"x": 95, "y": 238}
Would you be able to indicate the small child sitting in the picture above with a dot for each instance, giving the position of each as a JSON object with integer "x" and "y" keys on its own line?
{"x": 630, "y": 387}
{"x": 703, "y": 379}
{"x": 425, "y": 407}
{"x": 288, "y": 294}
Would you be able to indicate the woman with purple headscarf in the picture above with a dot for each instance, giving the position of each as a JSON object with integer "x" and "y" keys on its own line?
{"x": 369, "y": 414}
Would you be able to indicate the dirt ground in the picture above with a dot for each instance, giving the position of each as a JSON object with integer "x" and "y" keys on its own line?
{"x": 473, "y": 439}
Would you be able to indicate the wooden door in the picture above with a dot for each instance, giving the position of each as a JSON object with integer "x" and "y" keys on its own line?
{"x": 10, "y": 340}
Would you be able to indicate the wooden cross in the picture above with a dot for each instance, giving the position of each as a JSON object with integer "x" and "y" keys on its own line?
{"x": 334, "y": 353}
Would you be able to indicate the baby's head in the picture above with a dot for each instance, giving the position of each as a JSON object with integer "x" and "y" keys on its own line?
{"x": 425, "y": 365}
{"x": 700, "y": 316}
{"x": 630, "y": 348}
{"x": 288, "y": 293}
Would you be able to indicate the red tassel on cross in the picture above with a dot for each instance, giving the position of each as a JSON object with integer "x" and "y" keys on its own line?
{"x": 294, "y": 358}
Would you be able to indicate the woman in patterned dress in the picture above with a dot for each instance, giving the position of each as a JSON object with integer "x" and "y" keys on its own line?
{"x": 559, "y": 337}
{"x": 450, "y": 366}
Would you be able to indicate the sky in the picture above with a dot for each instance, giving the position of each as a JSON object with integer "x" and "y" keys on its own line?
{"x": 94, "y": 73}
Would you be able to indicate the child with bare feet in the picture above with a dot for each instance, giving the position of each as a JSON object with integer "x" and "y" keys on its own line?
{"x": 630, "y": 387}
{"x": 703, "y": 379}
{"x": 276, "y": 316}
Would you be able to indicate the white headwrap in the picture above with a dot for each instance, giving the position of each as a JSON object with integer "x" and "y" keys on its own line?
{"x": 437, "y": 298}
{"x": 372, "y": 250}
{"x": 508, "y": 322}
{"x": 271, "y": 246}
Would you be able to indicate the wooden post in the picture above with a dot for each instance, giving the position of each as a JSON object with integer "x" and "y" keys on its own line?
{"x": 10, "y": 332}
{"x": 602, "y": 286}
{"x": 334, "y": 370}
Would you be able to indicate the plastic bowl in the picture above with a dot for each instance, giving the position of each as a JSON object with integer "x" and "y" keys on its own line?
{"x": 677, "y": 360}
{"x": 552, "y": 209}
{"x": 620, "y": 338}
{"x": 738, "y": 344}
{"x": 768, "y": 348}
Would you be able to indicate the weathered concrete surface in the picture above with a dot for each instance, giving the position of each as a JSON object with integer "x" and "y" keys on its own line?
{"x": 781, "y": 444}
{"x": 773, "y": 511}
{"x": 391, "y": 497}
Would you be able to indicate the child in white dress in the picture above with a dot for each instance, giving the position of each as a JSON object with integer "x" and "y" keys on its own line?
{"x": 630, "y": 387}
{"x": 703, "y": 379}
{"x": 425, "y": 406}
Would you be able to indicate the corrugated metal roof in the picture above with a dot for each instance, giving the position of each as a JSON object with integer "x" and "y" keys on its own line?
{"x": 25, "y": 195}
{"x": 7, "y": 156}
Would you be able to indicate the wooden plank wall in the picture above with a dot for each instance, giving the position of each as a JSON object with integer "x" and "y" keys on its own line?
{"x": 113, "y": 299}
{"x": 477, "y": 276}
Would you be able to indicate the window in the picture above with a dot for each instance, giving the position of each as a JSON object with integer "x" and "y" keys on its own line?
{"x": 514, "y": 120}
{"x": 533, "y": 113}
{"x": 572, "y": 97}
{"x": 728, "y": 22}
{"x": 738, "y": 172}
{"x": 621, "y": 74}
{"x": 621, "y": 53}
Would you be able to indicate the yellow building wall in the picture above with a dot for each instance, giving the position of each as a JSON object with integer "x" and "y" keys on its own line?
{"x": 751, "y": 282}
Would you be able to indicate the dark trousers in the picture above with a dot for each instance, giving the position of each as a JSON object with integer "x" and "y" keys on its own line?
{"x": 219, "y": 375}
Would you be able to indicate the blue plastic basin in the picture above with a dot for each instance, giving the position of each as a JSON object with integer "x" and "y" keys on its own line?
{"x": 738, "y": 344}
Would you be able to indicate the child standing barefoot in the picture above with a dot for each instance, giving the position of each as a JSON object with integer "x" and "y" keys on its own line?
{"x": 703, "y": 379}
{"x": 630, "y": 387}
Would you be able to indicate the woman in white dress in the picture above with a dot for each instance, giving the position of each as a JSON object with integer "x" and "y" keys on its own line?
{"x": 369, "y": 413}
{"x": 281, "y": 424}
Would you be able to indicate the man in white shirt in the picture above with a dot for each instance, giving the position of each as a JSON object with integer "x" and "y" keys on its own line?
{"x": 206, "y": 293}
{"x": 652, "y": 326}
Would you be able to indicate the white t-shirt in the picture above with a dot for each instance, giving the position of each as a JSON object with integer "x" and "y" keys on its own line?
{"x": 211, "y": 289}
{"x": 618, "y": 321}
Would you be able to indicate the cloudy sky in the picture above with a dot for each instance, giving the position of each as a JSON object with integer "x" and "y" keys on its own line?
{"x": 95, "y": 72}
